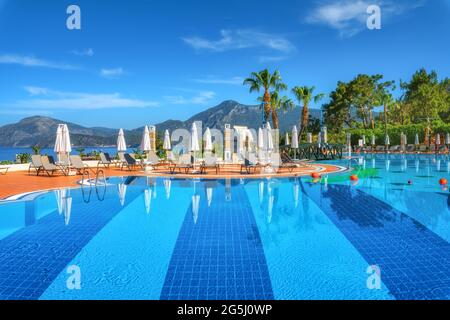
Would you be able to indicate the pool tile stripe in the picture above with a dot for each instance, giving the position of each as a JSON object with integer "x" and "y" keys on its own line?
{"x": 32, "y": 257}
{"x": 220, "y": 256}
{"x": 414, "y": 261}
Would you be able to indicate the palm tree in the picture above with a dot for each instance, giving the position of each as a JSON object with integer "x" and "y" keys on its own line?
{"x": 305, "y": 95}
{"x": 266, "y": 81}
{"x": 278, "y": 103}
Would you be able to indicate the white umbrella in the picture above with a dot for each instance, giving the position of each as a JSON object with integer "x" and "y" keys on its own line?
{"x": 58, "y": 142}
{"x": 209, "y": 195}
{"x": 364, "y": 140}
{"x": 167, "y": 186}
{"x": 121, "y": 145}
{"x": 195, "y": 207}
{"x": 122, "y": 189}
{"x": 319, "y": 138}
{"x": 208, "y": 140}
{"x": 145, "y": 142}
{"x": 67, "y": 147}
{"x": 325, "y": 135}
{"x": 387, "y": 141}
{"x": 147, "y": 199}
{"x": 194, "y": 139}
{"x": 447, "y": 138}
{"x": 309, "y": 137}
{"x": 294, "y": 141}
{"x": 405, "y": 139}
{"x": 438, "y": 139}
{"x": 373, "y": 140}
{"x": 261, "y": 192}
{"x": 348, "y": 138}
{"x": 67, "y": 209}
{"x": 269, "y": 137}
{"x": 286, "y": 140}
{"x": 416, "y": 140}
{"x": 260, "y": 139}
{"x": 62, "y": 142}
{"x": 167, "y": 145}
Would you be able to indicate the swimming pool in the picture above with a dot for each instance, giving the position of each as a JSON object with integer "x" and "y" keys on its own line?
{"x": 272, "y": 238}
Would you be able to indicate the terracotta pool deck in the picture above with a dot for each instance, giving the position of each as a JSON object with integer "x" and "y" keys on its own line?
{"x": 20, "y": 182}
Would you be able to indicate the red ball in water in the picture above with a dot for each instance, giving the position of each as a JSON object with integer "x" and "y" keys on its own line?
{"x": 315, "y": 175}
{"x": 443, "y": 182}
{"x": 354, "y": 177}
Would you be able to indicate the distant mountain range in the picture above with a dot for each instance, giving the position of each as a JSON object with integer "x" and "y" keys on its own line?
{"x": 38, "y": 130}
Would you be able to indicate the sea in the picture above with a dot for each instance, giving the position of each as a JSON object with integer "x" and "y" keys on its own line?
{"x": 9, "y": 154}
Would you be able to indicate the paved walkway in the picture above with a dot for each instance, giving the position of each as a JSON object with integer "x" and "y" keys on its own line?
{"x": 21, "y": 182}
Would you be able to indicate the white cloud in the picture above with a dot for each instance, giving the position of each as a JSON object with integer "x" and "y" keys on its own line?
{"x": 202, "y": 97}
{"x": 212, "y": 80}
{"x": 241, "y": 39}
{"x": 349, "y": 17}
{"x": 31, "y": 61}
{"x": 112, "y": 73}
{"x": 89, "y": 52}
{"x": 46, "y": 99}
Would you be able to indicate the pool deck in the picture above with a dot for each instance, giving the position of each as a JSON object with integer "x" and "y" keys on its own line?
{"x": 20, "y": 182}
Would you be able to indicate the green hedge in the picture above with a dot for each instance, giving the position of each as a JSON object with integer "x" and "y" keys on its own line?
{"x": 393, "y": 132}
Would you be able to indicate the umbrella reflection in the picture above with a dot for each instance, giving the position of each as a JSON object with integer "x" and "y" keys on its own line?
{"x": 296, "y": 188}
{"x": 195, "y": 207}
{"x": 147, "y": 199}
{"x": 60, "y": 196}
{"x": 167, "y": 186}
{"x": 261, "y": 192}
{"x": 209, "y": 195}
{"x": 122, "y": 190}
{"x": 67, "y": 210}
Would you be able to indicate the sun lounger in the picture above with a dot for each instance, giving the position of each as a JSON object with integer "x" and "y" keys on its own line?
{"x": 184, "y": 163}
{"x": 130, "y": 162}
{"x": 422, "y": 148}
{"x": 49, "y": 167}
{"x": 105, "y": 160}
{"x": 395, "y": 148}
{"x": 410, "y": 148}
{"x": 78, "y": 164}
{"x": 4, "y": 170}
{"x": 210, "y": 163}
{"x": 152, "y": 160}
{"x": 251, "y": 164}
{"x": 300, "y": 162}
{"x": 36, "y": 164}
{"x": 277, "y": 161}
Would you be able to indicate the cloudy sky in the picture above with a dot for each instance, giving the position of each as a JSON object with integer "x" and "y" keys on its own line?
{"x": 145, "y": 61}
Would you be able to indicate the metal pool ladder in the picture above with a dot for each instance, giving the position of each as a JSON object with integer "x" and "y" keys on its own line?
{"x": 100, "y": 175}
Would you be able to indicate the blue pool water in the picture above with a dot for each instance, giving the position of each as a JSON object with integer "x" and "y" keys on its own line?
{"x": 272, "y": 238}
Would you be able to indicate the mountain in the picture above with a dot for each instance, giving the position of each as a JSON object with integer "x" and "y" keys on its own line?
{"x": 42, "y": 130}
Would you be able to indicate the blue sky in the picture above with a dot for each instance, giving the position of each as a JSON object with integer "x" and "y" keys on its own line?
{"x": 145, "y": 61}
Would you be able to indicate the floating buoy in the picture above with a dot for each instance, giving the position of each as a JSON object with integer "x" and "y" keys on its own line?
{"x": 443, "y": 182}
{"x": 315, "y": 175}
{"x": 354, "y": 177}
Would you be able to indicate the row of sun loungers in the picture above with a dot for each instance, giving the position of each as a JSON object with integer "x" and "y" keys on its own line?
{"x": 407, "y": 149}
{"x": 185, "y": 164}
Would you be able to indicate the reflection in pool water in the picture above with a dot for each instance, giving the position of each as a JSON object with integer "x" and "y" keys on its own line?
{"x": 290, "y": 238}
